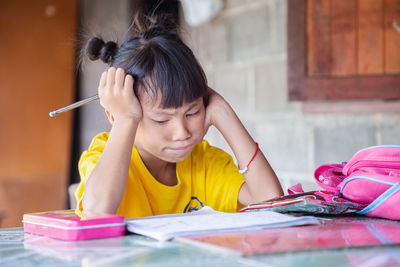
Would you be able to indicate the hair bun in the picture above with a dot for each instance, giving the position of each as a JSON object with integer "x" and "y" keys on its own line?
{"x": 96, "y": 48}
{"x": 148, "y": 27}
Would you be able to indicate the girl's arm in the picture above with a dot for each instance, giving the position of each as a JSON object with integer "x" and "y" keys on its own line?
{"x": 261, "y": 182}
{"x": 106, "y": 184}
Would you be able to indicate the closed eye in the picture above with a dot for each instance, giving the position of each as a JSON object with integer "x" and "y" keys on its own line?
{"x": 160, "y": 122}
{"x": 193, "y": 114}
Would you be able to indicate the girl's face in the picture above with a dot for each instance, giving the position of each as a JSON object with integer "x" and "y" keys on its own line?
{"x": 169, "y": 134}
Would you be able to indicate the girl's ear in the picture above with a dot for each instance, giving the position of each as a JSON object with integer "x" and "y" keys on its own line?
{"x": 205, "y": 101}
{"x": 109, "y": 116}
{"x": 207, "y": 96}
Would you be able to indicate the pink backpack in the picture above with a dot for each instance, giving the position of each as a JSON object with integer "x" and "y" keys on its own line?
{"x": 371, "y": 177}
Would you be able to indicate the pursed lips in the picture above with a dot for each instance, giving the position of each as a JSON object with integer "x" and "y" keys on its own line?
{"x": 180, "y": 148}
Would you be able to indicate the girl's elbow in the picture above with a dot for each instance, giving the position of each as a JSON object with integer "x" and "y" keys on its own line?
{"x": 90, "y": 205}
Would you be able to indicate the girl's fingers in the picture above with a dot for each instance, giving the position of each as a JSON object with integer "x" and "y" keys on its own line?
{"x": 102, "y": 85}
{"x": 111, "y": 77}
{"x": 103, "y": 79}
{"x": 128, "y": 83}
{"x": 119, "y": 78}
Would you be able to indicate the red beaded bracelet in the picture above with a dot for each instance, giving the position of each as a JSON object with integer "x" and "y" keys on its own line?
{"x": 241, "y": 171}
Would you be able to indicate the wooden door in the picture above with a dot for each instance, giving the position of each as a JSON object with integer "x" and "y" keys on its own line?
{"x": 37, "y": 75}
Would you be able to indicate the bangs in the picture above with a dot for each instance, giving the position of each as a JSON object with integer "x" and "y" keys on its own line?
{"x": 168, "y": 67}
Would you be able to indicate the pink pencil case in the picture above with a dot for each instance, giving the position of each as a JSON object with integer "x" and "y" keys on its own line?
{"x": 67, "y": 225}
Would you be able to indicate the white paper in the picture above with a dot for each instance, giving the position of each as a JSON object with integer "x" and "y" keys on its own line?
{"x": 207, "y": 220}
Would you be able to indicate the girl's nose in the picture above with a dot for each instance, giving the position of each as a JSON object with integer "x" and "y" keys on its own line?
{"x": 181, "y": 132}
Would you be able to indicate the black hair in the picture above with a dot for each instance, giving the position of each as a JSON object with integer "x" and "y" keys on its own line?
{"x": 157, "y": 59}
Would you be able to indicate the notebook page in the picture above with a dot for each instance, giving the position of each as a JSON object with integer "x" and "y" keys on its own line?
{"x": 164, "y": 228}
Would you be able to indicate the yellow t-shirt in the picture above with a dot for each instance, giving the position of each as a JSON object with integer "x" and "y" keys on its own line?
{"x": 207, "y": 177}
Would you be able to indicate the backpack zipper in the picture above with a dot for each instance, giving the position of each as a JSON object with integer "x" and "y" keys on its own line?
{"x": 373, "y": 163}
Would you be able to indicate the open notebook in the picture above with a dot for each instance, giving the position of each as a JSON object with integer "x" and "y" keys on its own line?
{"x": 207, "y": 220}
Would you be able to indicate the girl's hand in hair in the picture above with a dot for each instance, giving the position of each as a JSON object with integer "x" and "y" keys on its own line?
{"x": 105, "y": 187}
{"x": 117, "y": 95}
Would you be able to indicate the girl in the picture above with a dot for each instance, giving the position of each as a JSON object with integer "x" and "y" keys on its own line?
{"x": 154, "y": 160}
